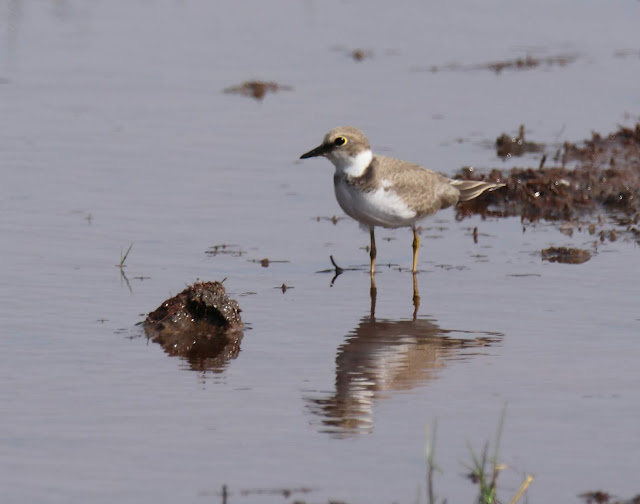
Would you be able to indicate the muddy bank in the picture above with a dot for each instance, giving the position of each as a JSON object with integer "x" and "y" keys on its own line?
{"x": 602, "y": 173}
{"x": 201, "y": 324}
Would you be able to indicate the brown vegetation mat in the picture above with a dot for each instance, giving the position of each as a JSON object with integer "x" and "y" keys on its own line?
{"x": 605, "y": 174}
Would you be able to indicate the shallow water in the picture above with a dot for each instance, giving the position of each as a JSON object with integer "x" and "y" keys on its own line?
{"x": 115, "y": 131}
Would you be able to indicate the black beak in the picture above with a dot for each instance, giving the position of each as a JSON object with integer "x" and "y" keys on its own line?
{"x": 321, "y": 150}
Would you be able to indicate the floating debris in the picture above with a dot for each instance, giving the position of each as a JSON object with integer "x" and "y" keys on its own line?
{"x": 360, "y": 54}
{"x": 566, "y": 255}
{"x": 526, "y": 63}
{"x": 529, "y": 62}
{"x": 257, "y": 89}
{"x": 225, "y": 249}
{"x": 597, "y": 497}
{"x": 201, "y": 324}
{"x": 284, "y": 288}
{"x": 567, "y": 229}
{"x": 508, "y": 146}
{"x": 601, "y": 497}
{"x": 337, "y": 270}
{"x": 334, "y": 219}
{"x": 627, "y": 53}
{"x": 266, "y": 262}
{"x": 284, "y": 492}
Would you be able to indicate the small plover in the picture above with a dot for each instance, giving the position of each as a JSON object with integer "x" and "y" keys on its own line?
{"x": 382, "y": 191}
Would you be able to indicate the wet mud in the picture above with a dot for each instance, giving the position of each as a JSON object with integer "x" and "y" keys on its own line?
{"x": 602, "y": 173}
{"x": 201, "y": 324}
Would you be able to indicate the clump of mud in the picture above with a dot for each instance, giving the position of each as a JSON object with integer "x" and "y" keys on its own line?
{"x": 606, "y": 175}
{"x": 201, "y": 324}
{"x": 257, "y": 89}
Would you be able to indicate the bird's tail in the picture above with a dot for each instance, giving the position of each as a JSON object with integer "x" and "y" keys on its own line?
{"x": 470, "y": 189}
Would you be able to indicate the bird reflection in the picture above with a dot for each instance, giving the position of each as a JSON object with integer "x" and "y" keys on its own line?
{"x": 382, "y": 356}
{"x": 337, "y": 271}
{"x": 374, "y": 294}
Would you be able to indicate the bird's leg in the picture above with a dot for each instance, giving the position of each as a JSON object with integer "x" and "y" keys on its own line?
{"x": 416, "y": 296}
{"x": 416, "y": 247}
{"x": 372, "y": 251}
{"x": 373, "y": 292}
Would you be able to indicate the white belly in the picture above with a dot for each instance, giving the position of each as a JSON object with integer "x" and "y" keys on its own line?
{"x": 376, "y": 208}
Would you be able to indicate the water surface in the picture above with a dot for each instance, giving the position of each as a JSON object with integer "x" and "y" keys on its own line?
{"x": 115, "y": 130}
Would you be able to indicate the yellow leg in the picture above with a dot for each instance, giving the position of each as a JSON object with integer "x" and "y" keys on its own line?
{"x": 416, "y": 247}
{"x": 372, "y": 251}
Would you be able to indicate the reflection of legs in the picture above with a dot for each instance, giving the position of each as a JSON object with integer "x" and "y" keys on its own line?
{"x": 372, "y": 250}
{"x": 416, "y": 296}
{"x": 416, "y": 247}
{"x": 373, "y": 292}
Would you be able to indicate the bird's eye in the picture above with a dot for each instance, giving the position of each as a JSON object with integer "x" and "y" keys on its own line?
{"x": 340, "y": 141}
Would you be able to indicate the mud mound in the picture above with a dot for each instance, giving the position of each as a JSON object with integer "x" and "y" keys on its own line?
{"x": 201, "y": 324}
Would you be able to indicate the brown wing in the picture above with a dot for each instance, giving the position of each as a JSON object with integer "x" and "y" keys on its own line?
{"x": 425, "y": 191}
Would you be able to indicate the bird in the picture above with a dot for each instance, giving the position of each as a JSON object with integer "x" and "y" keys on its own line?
{"x": 386, "y": 192}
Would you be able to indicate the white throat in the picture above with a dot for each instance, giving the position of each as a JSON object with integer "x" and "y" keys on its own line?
{"x": 354, "y": 166}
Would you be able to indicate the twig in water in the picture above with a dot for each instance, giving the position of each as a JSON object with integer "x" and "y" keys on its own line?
{"x": 431, "y": 466}
{"x": 339, "y": 270}
{"x": 123, "y": 258}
